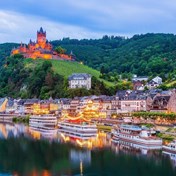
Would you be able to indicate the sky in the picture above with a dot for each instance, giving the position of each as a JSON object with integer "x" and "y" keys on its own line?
{"x": 20, "y": 19}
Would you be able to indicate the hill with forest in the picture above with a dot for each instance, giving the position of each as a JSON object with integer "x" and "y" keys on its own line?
{"x": 149, "y": 54}
{"x": 6, "y": 48}
{"x": 28, "y": 78}
{"x": 66, "y": 68}
{"x": 144, "y": 55}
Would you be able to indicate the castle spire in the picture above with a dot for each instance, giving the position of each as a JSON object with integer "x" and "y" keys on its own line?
{"x": 41, "y": 30}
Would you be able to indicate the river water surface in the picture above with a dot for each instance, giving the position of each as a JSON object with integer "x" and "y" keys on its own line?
{"x": 24, "y": 152}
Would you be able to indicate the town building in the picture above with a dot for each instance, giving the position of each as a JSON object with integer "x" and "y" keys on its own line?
{"x": 109, "y": 105}
{"x": 64, "y": 103}
{"x": 45, "y": 107}
{"x": 160, "y": 100}
{"x": 74, "y": 107}
{"x": 20, "y": 106}
{"x": 40, "y": 49}
{"x": 158, "y": 80}
{"x": 171, "y": 107}
{"x": 155, "y": 82}
{"x": 11, "y": 106}
{"x": 140, "y": 78}
{"x": 80, "y": 80}
{"x": 114, "y": 103}
{"x": 90, "y": 110}
{"x": 130, "y": 101}
{"x": 28, "y": 105}
{"x": 160, "y": 103}
{"x": 138, "y": 85}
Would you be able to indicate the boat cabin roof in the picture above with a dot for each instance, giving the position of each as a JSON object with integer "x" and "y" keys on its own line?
{"x": 131, "y": 127}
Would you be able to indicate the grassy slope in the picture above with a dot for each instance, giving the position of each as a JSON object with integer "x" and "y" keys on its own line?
{"x": 66, "y": 68}
{"x": 169, "y": 84}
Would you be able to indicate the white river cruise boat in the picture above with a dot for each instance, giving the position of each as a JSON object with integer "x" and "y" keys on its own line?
{"x": 43, "y": 123}
{"x": 79, "y": 129}
{"x": 171, "y": 148}
{"x": 136, "y": 135}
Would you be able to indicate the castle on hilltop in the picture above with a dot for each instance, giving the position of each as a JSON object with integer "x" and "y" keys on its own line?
{"x": 40, "y": 49}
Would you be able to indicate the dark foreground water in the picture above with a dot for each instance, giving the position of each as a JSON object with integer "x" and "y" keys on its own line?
{"x": 22, "y": 155}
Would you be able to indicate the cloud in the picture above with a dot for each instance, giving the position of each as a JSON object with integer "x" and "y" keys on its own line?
{"x": 15, "y": 26}
{"x": 85, "y": 19}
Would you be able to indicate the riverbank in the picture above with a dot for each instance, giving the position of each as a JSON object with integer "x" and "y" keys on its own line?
{"x": 24, "y": 119}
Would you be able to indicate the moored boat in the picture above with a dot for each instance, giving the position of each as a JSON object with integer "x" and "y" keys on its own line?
{"x": 83, "y": 131}
{"x": 171, "y": 148}
{"x": 137, "y": 135}
{"x": 77, "y": 127}
{"x": 43, "y": 121}
{"x": 46, "y": 125}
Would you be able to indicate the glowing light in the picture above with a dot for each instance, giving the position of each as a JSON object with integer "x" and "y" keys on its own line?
{"x": 84, "y": 143}
{"x": 81, "y": 168}
{"x": 66, "y": 138}
{"x": 35, "y": 134}
{"x": 78, "y": 118}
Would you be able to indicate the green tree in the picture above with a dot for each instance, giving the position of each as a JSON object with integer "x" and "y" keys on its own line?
{"x": 60, "y": 50}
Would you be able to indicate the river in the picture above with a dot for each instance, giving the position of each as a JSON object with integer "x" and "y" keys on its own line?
{"x": 24, "y": 152}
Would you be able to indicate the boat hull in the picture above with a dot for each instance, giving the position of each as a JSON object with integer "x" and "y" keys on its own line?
{"x": 137, "y": 140}
{"x": 168, "y": 149}
{"x": 77, "y": 130}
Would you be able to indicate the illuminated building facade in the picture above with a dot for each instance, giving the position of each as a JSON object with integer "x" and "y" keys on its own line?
{"x": 91, "y": 111}
{"x": 37, "y": 107}
{"x": 44, "y": 108}
{"x": 40, "y": 49}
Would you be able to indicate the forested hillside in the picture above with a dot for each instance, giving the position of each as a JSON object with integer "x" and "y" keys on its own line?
{"x": 6, "y": 48}
{"x": 149, "y": 54}
{"x": 66, "y": 68}
{"x": 29, "y": 78}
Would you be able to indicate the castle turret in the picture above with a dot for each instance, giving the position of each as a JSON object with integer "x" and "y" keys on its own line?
{"x": 41, "y": 38}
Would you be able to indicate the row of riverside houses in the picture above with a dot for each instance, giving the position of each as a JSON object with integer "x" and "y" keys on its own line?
{"x": 149, "y": 100}
{"x": 28, "y": 106}
{"x": 102, "y": 106}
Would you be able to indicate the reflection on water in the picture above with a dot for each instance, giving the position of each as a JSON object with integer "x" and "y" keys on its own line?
{"x": 23, "y": 152}
{"x": 131, "y": 148}
{"x": 172, "y": 157}
{"x": 12, "y": 130}
{"x": 47, "y": 134}
{"x": 100, "y": 141}
{"x": 80, "y": 159}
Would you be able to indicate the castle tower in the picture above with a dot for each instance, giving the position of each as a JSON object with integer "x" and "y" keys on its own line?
{"x": 41, "y": 38}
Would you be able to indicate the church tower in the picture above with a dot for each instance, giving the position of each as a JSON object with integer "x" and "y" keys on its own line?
{"x": 41, "y": 38}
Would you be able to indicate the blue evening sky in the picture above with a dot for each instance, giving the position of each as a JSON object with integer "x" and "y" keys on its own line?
{"x": 20, "y": 19}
